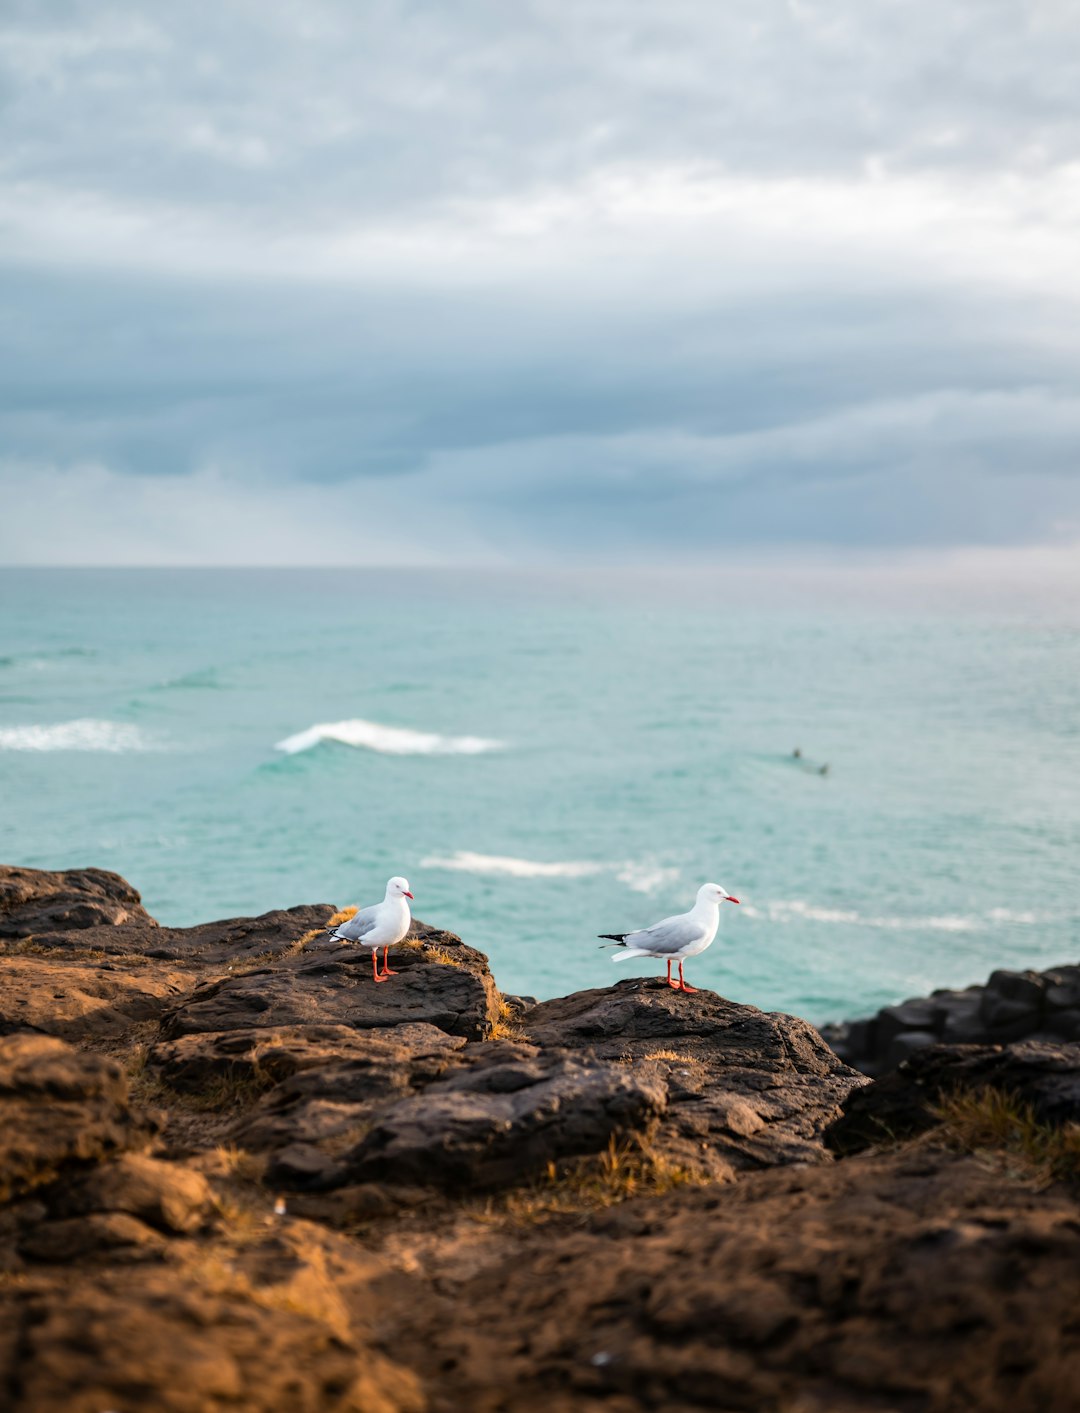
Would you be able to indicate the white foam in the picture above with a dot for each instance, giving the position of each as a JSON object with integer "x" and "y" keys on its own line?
{"x": 646, "y": 878}
{"x": 641, "y": 877}
{"x": 387, "y": 740}
{"x": 1007, "y": 915}
{"x": 797, "y": 909}
{"x": 85, "y": 734}
{"x": 465, "y": 862}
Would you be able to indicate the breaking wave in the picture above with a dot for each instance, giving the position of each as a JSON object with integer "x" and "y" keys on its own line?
{"x": 798, "y": 909}
{"x": 495, "y": 864}
{"x": 85, "y": 734}
{"x": 642, "y": 878}
{"x": 387, "y": 740}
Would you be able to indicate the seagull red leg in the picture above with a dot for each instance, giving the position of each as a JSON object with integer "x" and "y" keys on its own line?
{"x": 682, "y": 982}
{"x": 386, "y": 970}
{"x": 375, "y": 964}
{"x": 675, "y": 984}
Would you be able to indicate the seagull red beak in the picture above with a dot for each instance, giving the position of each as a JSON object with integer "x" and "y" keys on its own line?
{"x": 409, "y": 895}
{"x": 731, "y": 899}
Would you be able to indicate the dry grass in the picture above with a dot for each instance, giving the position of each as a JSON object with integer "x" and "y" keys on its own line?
{"x": 505, "y": 1026}
{"x": 431, "y": 951}
{"x": 993, "y": 1123}
{"x": 31, "y": 947}
{"x": 628, "y": 1167}
{"x": 669, "y": 1055}
{"x": 218, "y": 1095}
{"x": 227, "y": 1160}
{"x": 301, "y": 942}
{"x": 502, "y": 1030}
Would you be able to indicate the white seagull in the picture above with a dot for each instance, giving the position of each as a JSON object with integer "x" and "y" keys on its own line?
{"x": 382, "y": 925}
{"x": 676, "y": 938}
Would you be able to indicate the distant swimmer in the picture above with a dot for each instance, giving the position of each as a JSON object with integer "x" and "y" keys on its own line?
{"x": 808, "y": 765}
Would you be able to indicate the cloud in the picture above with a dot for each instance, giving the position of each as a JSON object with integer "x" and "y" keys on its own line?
{"x": 542, "y": 281}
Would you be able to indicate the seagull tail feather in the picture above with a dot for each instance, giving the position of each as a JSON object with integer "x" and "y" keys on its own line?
{"x": 630, "y": 952}
{"x": 617, "y": 939}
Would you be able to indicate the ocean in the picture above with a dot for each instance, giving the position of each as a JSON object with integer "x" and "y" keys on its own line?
{"x": 551, "y": 756}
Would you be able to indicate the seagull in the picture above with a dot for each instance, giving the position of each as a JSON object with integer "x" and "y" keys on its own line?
{"x": 676, "y": 938}
{"x": 382, "y": 925}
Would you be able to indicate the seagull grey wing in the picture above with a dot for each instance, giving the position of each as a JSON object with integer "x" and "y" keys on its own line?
{"x": 358, "y": 926}
{"x": 669, "y": 936}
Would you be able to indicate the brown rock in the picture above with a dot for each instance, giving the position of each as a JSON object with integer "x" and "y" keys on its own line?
{"x": 910, "y": 1281}
{"x": 460, "y": 999}
{"x": 282, "y": 1323}
{"x": 34, "y": 901}
{"x": 230, "y": 940}
{"x": 333, "y": 1099}
{"x": 79, "y": 999}
{"x": 504, "y": 1116}
{"x": 276, "y": 1053}
{"x": 1044, "y": 1074}
{"x": 59, "y": 1108}
{"x": 746, "y": 1088}
{"x": 172, "y": 1198}
{"x": 112, "y": 1235}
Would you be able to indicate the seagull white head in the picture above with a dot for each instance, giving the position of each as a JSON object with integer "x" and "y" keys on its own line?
{"x": 398, "y": 888}
{"x": 714, "y": 893}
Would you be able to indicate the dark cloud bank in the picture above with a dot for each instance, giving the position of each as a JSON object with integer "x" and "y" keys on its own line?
{"x": 549, "y": 281}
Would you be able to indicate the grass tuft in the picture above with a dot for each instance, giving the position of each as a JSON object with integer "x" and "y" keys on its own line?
{"x": 628, "y": 1167}
{"x": 503, "y": 1030}
{"x": 301, "y": 942}
{"x": 992, "y": 1121}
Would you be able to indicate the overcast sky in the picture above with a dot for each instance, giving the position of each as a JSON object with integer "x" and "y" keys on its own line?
{"x": 550, "y": 280}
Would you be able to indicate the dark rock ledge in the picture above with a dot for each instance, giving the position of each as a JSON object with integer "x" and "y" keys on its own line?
{"x": 235, "y": 1174}
{"x": 1012, "y": 1005}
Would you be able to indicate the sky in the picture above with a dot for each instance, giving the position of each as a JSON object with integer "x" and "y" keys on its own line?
{"x": 560, "y": 281}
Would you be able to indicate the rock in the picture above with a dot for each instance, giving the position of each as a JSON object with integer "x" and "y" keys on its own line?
{"x": 35, "y": 901}
{"x": 112, "y": 1235}
{"x": 282, "y": 1322}
{"x": 171, "y": 1198}
{"x": 230, "y": 941}
{"x": 328, "y": 1101}
{"x": 1023, "y": 986}
{"x": 506, "y": 1115}
{"x": 747, "y": 1089}
{"x": 59, "y": 1109}
{"x": 459, "y": 998}
{"x": 1011, "y": 1006}
{"x": 906, "y": 1043}
{"x": 901, "y": 1281}
{"x": 271, "y": 1055}
{"x": 902, "y": 1103}
{"x": 917, "y": 1014}
{"x": 300, "y": 1166}
{"x": 518, "y": 1005}
{"x": 78, "y": 1000}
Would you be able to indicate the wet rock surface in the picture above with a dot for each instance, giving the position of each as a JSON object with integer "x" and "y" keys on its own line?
{"x": 1012, "y": 1005}
{"x": 236, "y": 1173}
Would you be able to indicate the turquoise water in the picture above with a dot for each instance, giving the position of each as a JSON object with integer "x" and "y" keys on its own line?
{"x": 601, "y": 747}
